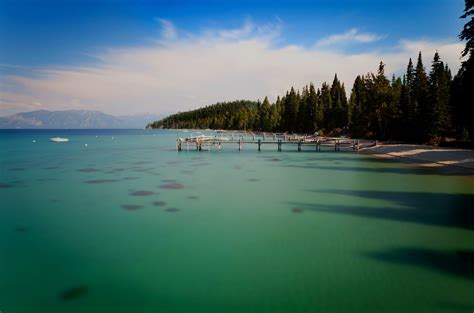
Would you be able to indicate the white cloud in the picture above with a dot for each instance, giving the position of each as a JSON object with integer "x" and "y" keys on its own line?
{"x": 351, "y": 36}
{"x": 200, "y": 69}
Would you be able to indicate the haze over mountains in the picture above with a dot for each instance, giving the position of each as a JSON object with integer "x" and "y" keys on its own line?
{"x": 75, "y": 119}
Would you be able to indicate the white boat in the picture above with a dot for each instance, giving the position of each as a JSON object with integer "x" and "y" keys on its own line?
{"x": 200, "y": 138}
{"x": 58, "y": 139}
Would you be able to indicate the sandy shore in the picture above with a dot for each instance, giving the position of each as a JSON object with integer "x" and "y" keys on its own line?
{"x": 429, "y": 156}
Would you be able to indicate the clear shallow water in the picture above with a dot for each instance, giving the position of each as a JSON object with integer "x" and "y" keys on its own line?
{"x": 130, "y": 225}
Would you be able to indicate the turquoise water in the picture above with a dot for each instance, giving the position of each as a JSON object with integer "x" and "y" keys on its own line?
{"x": 127, "y": 224}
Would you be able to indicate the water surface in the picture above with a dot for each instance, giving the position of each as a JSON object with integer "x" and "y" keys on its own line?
{"x": 127, "y": 224}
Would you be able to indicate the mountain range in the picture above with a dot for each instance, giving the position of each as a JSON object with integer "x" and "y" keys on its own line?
{"x": 75, "y": 119}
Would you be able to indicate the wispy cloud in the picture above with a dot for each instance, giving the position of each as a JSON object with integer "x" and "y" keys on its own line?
{"x": 168, "y": 30}
{"x": 202, "y": 68}
{"x": 351, "y": 36}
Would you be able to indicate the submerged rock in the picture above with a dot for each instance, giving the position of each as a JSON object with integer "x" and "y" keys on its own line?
{"x": 100, "y": 181}
{"x": 88, "y": 170}
{"x": 172, "y": 185}
{"x": 159, "y": 203}
{"x": 73, "y": 293}
{"x": 5, "y": 186}
{"x": 132, "y": 207}
{"x": 142, "y": 193}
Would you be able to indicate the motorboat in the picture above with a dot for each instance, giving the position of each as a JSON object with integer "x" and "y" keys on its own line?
{"x": 58, "y": 139}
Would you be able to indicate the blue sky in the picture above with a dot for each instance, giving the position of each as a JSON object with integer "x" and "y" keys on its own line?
{"x": 43, "y": 42}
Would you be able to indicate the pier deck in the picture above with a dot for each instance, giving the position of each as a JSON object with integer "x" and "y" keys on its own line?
{"x": 217, "y": 143}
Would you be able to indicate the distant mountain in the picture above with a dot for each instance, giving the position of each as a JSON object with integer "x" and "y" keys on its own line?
{"x": 75, "y": 119}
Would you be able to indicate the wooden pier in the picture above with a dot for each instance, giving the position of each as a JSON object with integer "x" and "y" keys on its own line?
{"x": 293, "y": 142}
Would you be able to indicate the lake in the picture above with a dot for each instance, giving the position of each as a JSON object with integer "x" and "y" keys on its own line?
{"x": 128, "y": 224}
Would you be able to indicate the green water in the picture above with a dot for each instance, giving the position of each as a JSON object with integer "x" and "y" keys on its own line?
{"x": 226, "y": 231}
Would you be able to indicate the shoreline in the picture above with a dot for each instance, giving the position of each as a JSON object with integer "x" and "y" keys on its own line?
{"x": 454, "y": 160}
{"x": 451, "y": 159}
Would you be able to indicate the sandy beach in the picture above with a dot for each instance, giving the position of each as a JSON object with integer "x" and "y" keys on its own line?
{"x": 453, "y": 159}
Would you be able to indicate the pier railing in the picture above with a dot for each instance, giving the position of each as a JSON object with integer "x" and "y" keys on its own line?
{"x": 279, "y": 141}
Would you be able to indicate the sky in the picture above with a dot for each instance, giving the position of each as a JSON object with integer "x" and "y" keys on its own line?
{"x": 131, "y": 57}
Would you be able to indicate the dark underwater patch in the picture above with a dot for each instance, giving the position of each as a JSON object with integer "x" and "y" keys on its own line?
{"x": 130, "y": 178}
{"x": 17, "y": 181}
{"x": 172, "y": 185}
{"x": 132, "y": 207}
{"x": 142, "y": 193}
{"x": 200, "y": 164}
{"x": 141, "y": 162}
{"x": 46, "y": 179}
{"x": 21, "y": 229}
{"x": 5, "y": 186}
{"x": 139, "y": 170}
{"x": 158, "y": 203}
{"x": 297, "y": 210}
{"x": 73, "y": 293}
{"x": 172, "y": 210}
{"x": 51, "y": 168}
{"x": 100, "y": 181}
{"x": 253, "y": 179}
{"x": 193, "y": 197}
{"x": 17, "y": 169}
{"x": 88, "y": 170}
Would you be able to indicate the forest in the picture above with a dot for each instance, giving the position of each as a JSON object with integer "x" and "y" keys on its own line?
{"x": 424, "y": 105}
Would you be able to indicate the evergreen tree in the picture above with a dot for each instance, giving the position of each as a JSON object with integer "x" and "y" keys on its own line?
{"x": 266, "y": 117}
{"x": 312, "y": 109}
{"x": 291, "y": 106}
{"x": 383, "y": 103}
{"x": 463, "y": 92}
{"x": 319, "y": 115}
{"x": 420, "y": 98}
{"x": 303, "y": 120}
{"x": 358, "y": 121}
{"x": 326, "y": 105}
{"x": 439, "y": 79}
{"x": 338, "y": 112}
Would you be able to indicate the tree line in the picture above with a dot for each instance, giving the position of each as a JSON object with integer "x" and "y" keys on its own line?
{"x": 423, "y": 105}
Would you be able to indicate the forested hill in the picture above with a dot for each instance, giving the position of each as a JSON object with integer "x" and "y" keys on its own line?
{"x": 240, "y": 114}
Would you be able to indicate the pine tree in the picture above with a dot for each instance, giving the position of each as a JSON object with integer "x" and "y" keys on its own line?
{"x": 420, "y": 98}
{"x": 463, "y": 92}
{"x": 326, "y": 105}
{"x": 291, "y": 111}
{"x": 439, "y": 115}
{"x": 319, "y": 115}
{"x": 266, "y": 115}
{"x": 383, "y": 104}
{"x": 358, "y": 122}
{"x": 338, "y": 112}
{"x": 312, "y": 109}
{"x": 303, "y": 119}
